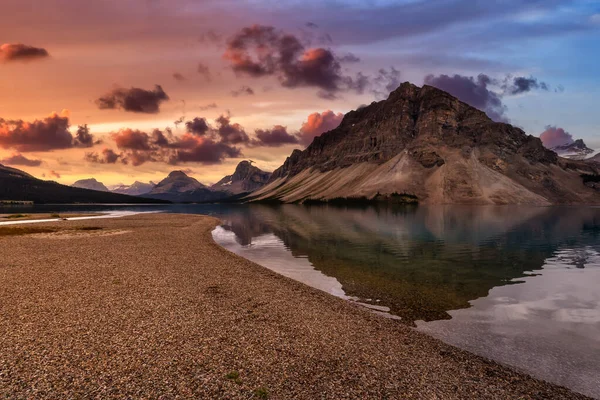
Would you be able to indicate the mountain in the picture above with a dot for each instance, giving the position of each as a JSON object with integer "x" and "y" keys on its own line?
{"x": 91, "y": 184}
{"x": 575, "y": 151}
{"x": 20, "y": 186}
{"x": 136, "y": 189}
{"x": 426, "y": 143}
{"x": 246, "y": 178}
{"x": 180, "y": 188}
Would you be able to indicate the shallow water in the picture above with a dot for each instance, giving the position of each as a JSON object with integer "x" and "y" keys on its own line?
{"x": 520, "y": 285}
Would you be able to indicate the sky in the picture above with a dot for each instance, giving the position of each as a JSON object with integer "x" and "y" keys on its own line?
{"x": 126, "y": 90}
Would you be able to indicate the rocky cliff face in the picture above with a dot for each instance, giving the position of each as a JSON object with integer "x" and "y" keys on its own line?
{"x": 91, "y": 184}
{"x": 425, "y": 142}
{"x": 246, "y": 178}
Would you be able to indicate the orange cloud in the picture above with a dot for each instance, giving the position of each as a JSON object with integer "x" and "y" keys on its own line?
{"x": 318, "y": 123}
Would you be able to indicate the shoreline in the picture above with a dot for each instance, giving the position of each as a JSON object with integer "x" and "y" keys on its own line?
{"x": 150, "y": 305}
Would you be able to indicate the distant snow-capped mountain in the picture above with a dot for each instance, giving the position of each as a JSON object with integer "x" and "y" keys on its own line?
{"x": 576, "y": 150}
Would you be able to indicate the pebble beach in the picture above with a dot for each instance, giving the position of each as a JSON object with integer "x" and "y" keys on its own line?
{"x": 150, "y": 307}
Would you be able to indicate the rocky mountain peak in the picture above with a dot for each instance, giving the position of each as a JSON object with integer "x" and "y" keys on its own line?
{"x": 425, "y": 142}
{"x": 90, "y": 183}
{"x": 245, "y": 178}
{"x": 178, "y": 174}
{"x": 177, "y": 182}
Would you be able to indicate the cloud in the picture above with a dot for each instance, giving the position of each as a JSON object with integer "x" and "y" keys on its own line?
{"x": 10, "y": 52}
{"x": 19, "y": 159}
{"x": 201, "y": 143}
{"x": 230, "y": 133}
{"x": 259, "y": 51}
{"x": 204, "y": 71}
{"x": 131, "y": 139}
{"x": 83, "y": 137}
{"x": 520, "y": 84}
{"x": 134, "y": 100}
{"x": 208, "y": 106}
{"x": 385, "y": 82}
{"x": 211, "y": 36}
{"x": 484, "y": 92}
{"x": 206, "y": 152}
{"x": 108, "y": 156}
{"x": 243, "y": 91}
{"x": 275, "y": 137}
{"x": 178, "y": 77}
{"x": 50, "y": 133}
{"x": 197, "y": 126}
{"x": 318, "y": 123}
{"x": 473, "y": 91}
{"x": 349, "y": 58}
{"x": 554, "y": 136}
{"x": 53, "y": 174}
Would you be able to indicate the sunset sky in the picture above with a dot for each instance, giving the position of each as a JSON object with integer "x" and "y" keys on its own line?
{"x": 198, "y": 85}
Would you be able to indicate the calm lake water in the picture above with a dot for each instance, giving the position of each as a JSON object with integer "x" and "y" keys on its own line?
{"x": 520, "y": 285}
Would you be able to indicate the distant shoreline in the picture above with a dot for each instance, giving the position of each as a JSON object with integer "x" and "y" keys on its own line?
{"x": 149, "y": 306}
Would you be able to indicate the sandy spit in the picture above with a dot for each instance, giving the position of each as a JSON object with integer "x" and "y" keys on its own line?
{"x": 163, "y": 312}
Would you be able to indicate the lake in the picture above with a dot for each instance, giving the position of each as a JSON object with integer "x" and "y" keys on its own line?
{"x": 520, "y": 285}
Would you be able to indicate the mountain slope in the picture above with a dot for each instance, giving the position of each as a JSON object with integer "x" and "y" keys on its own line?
{"x": 246, "y": 178}
{"x": 424, "y": 142}
{"x": 91, "y": 184}
{"x": 18, "y": 185}
{"x": 136, "y": 189}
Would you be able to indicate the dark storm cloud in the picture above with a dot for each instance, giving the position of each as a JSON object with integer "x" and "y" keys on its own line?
{"x": 50, "y": 133}
{"x": 243, "y": 91}
{"x": 21, "y": 160}
{"x": 275, "y": 137}
{"x": 134, "y": 100}
{"x": 19, "y": 52}
{"x": 259, "y": 51}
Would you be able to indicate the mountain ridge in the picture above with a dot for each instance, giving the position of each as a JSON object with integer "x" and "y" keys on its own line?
{"x": 20, "y": 186}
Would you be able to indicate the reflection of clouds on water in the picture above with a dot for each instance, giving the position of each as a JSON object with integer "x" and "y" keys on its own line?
{"x": 548, "y": 325}
{"x": 269, "y": 251}
{"x": 578, "y": 257}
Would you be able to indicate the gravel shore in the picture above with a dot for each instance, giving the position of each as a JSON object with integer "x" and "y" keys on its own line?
{"x": 149, "y": 307}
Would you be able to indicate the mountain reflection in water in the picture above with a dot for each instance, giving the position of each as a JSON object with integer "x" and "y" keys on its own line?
{"x": 519, "y": 285}
{"x": 419, "y": 261}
